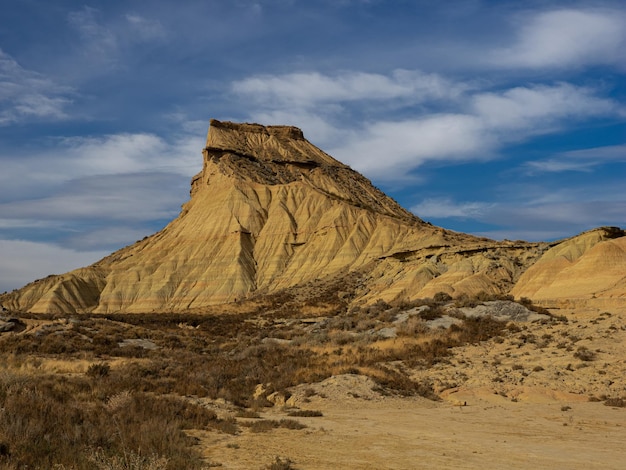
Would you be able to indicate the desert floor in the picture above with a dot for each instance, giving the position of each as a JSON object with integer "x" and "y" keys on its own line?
{"x": 504, "y": 413}
{"x": 403, "y": 433}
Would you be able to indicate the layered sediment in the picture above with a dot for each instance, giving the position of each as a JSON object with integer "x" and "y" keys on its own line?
{"x": 270, "y": 211}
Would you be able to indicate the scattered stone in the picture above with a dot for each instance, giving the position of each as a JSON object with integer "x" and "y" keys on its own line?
{"x": 386, "y": 332}
{"x": 445, "y": 321}
{"x": 278, "y": 398}
{"x": 403, "y": 317}
{"x": 260, "y": 391}
{"x": 142, "y": 343}
{"x": 280, "y": 341}
{"x": 503, "y": 310}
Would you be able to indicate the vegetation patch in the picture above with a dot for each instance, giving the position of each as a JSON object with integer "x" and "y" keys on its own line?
{"x": 133, "y": 403}
{"x": 266, "y": 425}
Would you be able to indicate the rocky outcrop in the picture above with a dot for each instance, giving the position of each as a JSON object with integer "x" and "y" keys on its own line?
{"x": 271, "y": 211}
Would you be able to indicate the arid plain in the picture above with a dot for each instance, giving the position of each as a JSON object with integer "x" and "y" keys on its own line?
{"x": 293, "y": 316}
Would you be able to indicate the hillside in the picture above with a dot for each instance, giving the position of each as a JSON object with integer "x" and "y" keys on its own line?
{"x": 270, "y": 211}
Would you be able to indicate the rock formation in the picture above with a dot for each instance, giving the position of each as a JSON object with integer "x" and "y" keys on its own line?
{"x": 589, "y": 269}
{"x": 270, "y": 211}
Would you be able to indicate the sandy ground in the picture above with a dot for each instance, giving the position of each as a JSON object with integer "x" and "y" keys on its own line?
{"x": 498, "y": 410}
{"x": 402, "y": 433}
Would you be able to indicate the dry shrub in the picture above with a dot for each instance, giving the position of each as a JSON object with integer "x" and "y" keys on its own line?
{"x": 266, "y": 425}
{"x": 584, "y": 354}
{"x": 414, "y": 326}
{"x": 247, "y": 414}
{"x": 48, "y": 421}
{"x": 305, "y": 413}
{"x": 476, "y": 329}
{"x": 101, "y": 369}
{"x": 442, "y": 297}
{"x": 616, "y": 402}
{"x": 127, "y": 461}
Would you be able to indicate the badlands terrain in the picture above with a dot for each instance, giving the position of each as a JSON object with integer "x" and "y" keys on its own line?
{"x": 293, "y": 316}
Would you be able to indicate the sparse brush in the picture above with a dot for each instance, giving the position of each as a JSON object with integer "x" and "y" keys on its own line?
{"x": 49, "y": 420}
{"x": 305, "y": 413}
{"x": 616, "y": 402}
{"x": 584, "y": 354}
{"x": 101, "y": 369}
{"x": 137, "y": 406}
{"x": 128, "y": 461}
{"x": 414, "y": 326}
{"x": 266, "y": 425}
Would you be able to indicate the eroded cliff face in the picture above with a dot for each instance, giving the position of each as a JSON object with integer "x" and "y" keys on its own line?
{"x": 270, "y": 211}
{"x": 586, "y": 270}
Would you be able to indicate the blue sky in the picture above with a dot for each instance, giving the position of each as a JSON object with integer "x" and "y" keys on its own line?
{"x": 502, "y": 119}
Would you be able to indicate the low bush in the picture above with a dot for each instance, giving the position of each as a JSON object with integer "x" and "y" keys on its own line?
{"x": 266, "y": 425}
{"x": 48, "y": 421}
{"x": 616, "y": 402}
{"x": 101, "y": 369}
{"x": 305, "y": 413}
{"x": 584, "y": 354}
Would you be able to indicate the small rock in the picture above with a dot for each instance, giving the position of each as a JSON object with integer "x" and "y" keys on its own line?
{"x": 278, "y": 398}
{"x": 386, "y": 332}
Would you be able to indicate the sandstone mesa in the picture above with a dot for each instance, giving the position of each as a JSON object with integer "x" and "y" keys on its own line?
{"x": 270, "y": 211}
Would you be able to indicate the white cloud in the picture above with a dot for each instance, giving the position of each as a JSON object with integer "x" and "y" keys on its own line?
{"x": 99, "y": 42}
{"x": 533, "y": 108}
{"x": 105, "y": 43}
{"x": 567, "y": 38}
{"x": 313, "y": 88}
{"x": 388, "y": 150}
{"x": 146, "y": 29}
{"x": 9, "y": 223}
{"x": 447, "y": 208}
{"x": 108, "y": 182}
{"x": 563, "y": 215}
{"x": 579, "y": 160}
{"x": 478, "y": 124}
{"x": 23, "y": 261}
{"x": 559, "y": 212}
{"x": 27, "y": 95}
{"x": 67, "y": 159}
{"x": 549, "y": 216}
{"x": 134, "y": 197}
{"x": 118, "y": 153}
